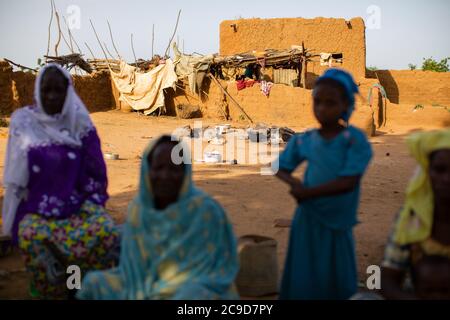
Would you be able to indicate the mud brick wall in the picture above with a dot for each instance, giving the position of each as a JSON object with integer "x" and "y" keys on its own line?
{"x": 23, "y": 88}
{"x": 210, "y": 100}
{"x": 319, "y": 34}
{"x": 285, "y": 106}
{"x": 95, "y": 91}
{"x": 6, "y": 92}
{"x": 17, "y": 89}
{"x": 416, "y": 86}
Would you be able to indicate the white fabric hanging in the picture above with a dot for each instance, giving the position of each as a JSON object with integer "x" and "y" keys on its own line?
{"x": 31, "y": 127}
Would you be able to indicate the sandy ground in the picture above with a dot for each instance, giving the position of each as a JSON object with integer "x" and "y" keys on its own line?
{"x": 252, "y": 200}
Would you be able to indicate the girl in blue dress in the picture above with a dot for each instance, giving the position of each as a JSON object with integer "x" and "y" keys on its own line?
{"x": 321, "y": 263}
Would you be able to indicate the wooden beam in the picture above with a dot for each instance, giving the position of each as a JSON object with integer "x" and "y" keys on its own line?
{"x": 231, "y": 98}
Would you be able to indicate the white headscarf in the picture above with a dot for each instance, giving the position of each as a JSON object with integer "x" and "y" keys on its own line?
{"x": 31, "y": 127}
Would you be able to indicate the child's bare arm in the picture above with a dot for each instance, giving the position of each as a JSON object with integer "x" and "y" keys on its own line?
{"x": 287, "y": 177}
{"x": 338, "y": 186}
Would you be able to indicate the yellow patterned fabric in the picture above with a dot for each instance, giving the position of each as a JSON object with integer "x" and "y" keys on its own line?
{"x": 416, "y": 217}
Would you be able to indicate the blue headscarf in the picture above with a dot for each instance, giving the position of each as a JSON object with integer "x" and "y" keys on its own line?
{"x": 185, "y": 251}
{"x": 346, "y": 80}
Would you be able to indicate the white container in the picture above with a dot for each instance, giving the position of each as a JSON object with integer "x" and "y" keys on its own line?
{"x": 111, "y": 156}
{"x": 212, "y": 157}
{"x": 217, "y": 141}
{"x": 222, "y": 129}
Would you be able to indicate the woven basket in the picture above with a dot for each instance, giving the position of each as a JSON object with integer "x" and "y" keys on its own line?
{"x": 258, "y": 275}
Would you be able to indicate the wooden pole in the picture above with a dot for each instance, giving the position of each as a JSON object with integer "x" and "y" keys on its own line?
{"x": 19, "y": 65}
{"x": 71, "y": 35}
{"x": 303, "y": 66}
{"x": 93, "y": 57}
{"x": 49, "y": 28}
{"x": 59, "y": 32}
{"x": 98, "y": 39}
{"x": 132, "y": 48}
{"x": 173, "y": 35}
{"x": 106, "y": 48}
{"x": 112, "y": 40}
{"x": 231, "y": 98}
{"x": 153, "y": 39}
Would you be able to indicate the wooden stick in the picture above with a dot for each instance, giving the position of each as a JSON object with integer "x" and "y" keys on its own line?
{"x": 153, "y": 38}
{"x": 186, "y": 93}
{"x": 60, "y": 33}
{"x": 76, "y": 44}
{"x": 173, "y": 35}
{"x": 232, "y": 99}
{"x": 132, "y": 48}
{"x": 112, "y": 40}
{"x": 108, "y": 50}
{"x": 49, "y": 28}
{"x": 304, "y": 66}
{"x": 98, "y": 39}
{"x": 59, "y": 30}
{"x": 93, "y": 57}
{"x": 19, "y": 65}
{"x": 70, "y": 39}
{"x": 71, "y": 35}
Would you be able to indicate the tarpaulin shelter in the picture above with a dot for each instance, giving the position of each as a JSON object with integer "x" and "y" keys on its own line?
{"x": 143, "y": 91}
{"x": 193, "y": 67}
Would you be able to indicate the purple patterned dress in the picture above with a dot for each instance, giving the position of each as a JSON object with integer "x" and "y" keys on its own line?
{"x": 55, "y": 190}
{"x": 65, "y": 206}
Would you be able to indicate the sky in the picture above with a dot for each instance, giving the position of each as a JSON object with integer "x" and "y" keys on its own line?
{"x": 398, "y": 32}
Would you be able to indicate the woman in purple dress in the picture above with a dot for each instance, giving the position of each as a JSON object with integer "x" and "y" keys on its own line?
{"x": 55, "y": 186}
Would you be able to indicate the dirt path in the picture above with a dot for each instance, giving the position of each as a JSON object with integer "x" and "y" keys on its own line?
{"x": 252, "y": 200}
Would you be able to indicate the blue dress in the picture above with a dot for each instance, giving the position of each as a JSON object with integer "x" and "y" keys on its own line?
{"x": 321, "y": 263}
{"x": 183, "y": 252}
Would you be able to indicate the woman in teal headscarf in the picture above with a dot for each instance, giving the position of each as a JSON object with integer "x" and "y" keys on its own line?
{"x": 321, "y": 263}
{"x": 177, "y": 241}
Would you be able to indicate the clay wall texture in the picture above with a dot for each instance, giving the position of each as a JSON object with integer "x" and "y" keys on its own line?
{"x": 319, "y": 34}
{"x": 416, "y": 86}
{"x": 17, "y": 89}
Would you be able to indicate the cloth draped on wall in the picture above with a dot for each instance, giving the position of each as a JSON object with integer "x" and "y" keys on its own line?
{"x": 266, "y": 86}
{"x": 242, "y": 84}
{"x": 192, "y": 67}
{"x": 144, "y": 91}
{"x": 328, "y": 59}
